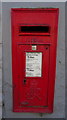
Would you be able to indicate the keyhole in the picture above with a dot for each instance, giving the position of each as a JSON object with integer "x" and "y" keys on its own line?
{"x": 24, "y": 81}
{"x": 46, "y": 48}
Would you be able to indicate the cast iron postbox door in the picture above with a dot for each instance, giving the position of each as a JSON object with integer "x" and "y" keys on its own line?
{"x": 33, "y": 75}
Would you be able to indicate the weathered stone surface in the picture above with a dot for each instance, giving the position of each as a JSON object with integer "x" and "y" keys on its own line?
{"x": 59, "y": 101}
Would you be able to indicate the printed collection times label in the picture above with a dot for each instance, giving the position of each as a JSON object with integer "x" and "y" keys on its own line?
{"x": 33, "y": 64}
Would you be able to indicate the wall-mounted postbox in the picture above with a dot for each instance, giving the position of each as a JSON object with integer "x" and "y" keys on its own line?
{"x": 34, "y": 41}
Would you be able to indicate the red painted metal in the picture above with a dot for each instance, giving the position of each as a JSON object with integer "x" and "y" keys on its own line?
{"x": 37, "y": 95}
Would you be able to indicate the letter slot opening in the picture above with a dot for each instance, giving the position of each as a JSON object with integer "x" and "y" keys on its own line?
{"x": 43, "y": 30}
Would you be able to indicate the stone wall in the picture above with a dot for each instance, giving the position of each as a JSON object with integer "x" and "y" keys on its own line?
{"x": 59, "y": 101}
{"x": 0, "y": 67}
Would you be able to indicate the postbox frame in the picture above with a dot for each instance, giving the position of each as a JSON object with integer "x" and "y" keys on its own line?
{"x": 53, "y": 47}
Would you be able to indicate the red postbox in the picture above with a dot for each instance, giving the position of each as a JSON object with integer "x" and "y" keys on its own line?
{"x": 34, "y": 42}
